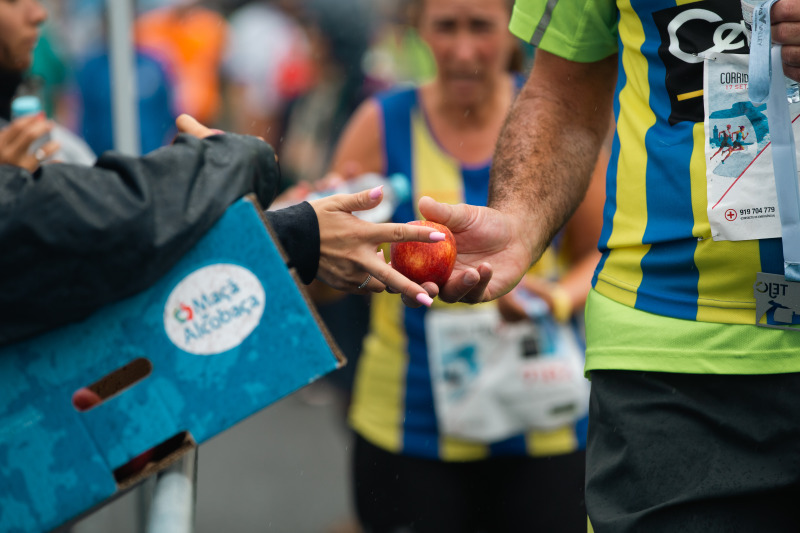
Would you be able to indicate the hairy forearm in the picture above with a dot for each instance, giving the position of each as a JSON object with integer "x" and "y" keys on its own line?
{"x": 549, "y": 146}
{"x": 542, "y": 170}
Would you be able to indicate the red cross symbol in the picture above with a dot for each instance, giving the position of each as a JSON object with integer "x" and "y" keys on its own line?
{"x": 730, "y": 215}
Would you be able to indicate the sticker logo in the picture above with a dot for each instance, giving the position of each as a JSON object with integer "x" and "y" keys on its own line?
{"x": 777, "y": 302}
{"x": 214, "y": 309}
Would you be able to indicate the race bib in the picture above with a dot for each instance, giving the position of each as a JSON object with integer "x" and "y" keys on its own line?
{"x": 742, "y": 202}
{"x": 493, "y": 380}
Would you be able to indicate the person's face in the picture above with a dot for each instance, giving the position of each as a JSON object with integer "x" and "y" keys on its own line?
{"x": 19, "y": 31}
{"x": 470, "y": 42}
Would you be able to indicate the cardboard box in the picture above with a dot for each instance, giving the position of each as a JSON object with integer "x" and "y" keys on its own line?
{"x": 225, "y": 333}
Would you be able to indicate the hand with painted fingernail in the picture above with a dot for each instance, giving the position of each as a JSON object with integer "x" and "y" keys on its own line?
{"x": 349, "y": 258}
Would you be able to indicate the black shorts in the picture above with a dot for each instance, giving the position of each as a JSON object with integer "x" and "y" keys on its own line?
{"x": 396, "y": 493}
{"x": 693, "y": 453}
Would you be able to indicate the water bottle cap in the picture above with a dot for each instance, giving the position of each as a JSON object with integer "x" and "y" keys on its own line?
{"x": 401, "y": 186}
{"x": 25, "y": 105}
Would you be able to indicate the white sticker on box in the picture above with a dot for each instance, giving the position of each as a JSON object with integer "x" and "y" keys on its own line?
{"x": 214, "y": 309}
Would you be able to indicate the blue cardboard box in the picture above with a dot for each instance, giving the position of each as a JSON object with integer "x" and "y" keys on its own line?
{"x": 226, "y": 332}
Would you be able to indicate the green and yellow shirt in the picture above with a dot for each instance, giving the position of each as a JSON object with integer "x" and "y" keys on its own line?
{"x": 667, "y": 296}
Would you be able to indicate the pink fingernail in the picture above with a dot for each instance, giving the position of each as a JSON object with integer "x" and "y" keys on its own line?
{"x": 424, "y": 299}
{"x": 376, "y": 192}
{"x": 436, "y": 236}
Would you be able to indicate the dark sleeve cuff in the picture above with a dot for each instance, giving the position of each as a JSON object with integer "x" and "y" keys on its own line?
{"x": 297, "y": 229}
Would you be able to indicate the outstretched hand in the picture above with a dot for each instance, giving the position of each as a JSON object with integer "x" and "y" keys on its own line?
{"x": 493, "y": 250}
{"x": 349, "y": 247}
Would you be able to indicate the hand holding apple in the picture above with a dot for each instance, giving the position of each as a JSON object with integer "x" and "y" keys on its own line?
{"x": 426, "y": 261}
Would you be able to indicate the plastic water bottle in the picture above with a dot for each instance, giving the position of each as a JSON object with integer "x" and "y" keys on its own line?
{"x": 25, "y": 105}
{"x": 396, "y": 189}
{"x": 539, "y": 312}
{"x": 28, "y": 105}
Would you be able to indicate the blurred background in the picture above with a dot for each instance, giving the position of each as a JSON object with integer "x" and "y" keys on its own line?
{"x": 292, "y": 72}
{"x": 283, "y": 69}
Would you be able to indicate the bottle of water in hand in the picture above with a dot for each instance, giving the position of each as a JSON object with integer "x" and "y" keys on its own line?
{"x": 396, "y": 189}
{"x": 29, "y": 105}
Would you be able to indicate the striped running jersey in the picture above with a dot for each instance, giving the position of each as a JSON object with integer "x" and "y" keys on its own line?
{"x": 393, "y": 405}
{"x": 660, "y": 265}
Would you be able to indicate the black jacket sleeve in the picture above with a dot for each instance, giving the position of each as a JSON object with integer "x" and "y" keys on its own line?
{"x": 297, "y": 229}
{"x": 75, "y": 238}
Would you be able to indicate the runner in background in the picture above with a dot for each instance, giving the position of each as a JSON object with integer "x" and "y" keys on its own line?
{"x": 412, "y": 472}
{"x": 190, "y": 40}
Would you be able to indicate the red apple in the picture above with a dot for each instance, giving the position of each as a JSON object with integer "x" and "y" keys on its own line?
{"x": 426, "y": 261}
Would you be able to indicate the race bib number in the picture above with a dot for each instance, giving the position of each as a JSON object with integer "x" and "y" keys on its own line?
{"x": 493, "y": 380}
{"x": 742, "y": 202}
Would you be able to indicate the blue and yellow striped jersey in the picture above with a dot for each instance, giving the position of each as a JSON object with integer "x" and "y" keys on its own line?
{"x": 393, "y": 405}
{"x": 658, "y": 254}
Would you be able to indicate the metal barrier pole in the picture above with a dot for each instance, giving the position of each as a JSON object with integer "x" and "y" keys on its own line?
{"x": 123, "y": 76}
{"x": 172, "y": 508}
{"x": 143, "y": 495}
